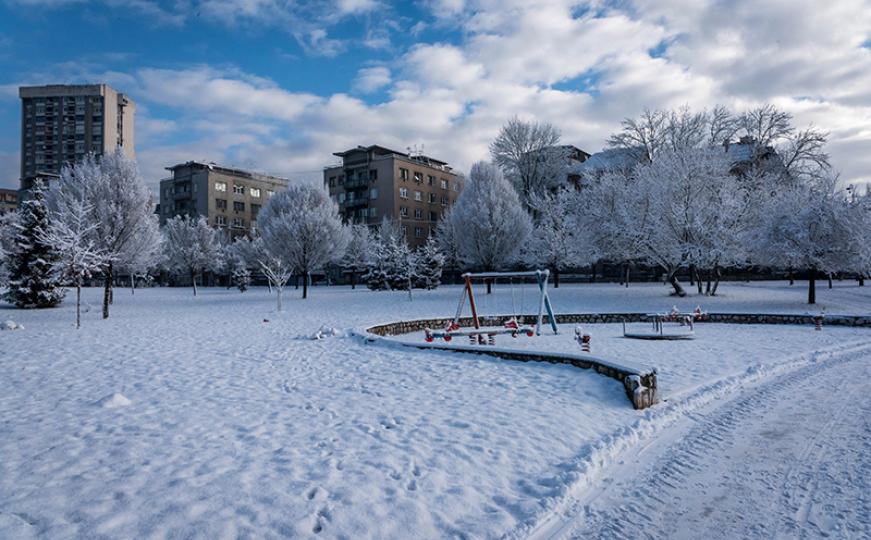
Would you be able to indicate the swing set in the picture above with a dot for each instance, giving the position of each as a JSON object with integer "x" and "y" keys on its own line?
{"x": 513, "y": 326}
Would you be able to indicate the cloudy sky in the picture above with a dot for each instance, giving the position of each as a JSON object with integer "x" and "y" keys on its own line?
{"x": 278, "y": 85}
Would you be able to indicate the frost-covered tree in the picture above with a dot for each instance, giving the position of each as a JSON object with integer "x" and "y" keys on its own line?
{"x": 191, "y": 247}
{"x": 33, "y": 280}
{"x": 144, "y": 253}
{"x": 121, "y": 206}
{"x": 559, "y": 240}
{"x": 401, "y": 264}
{"x": 241, "y": 277}
{"x": 377, "y": 276}
{"x": 447, "y": 238}
{"x": 70, "y": 234}
{"x": 358, "y": 252}
{"x": 7, "y": 229}
{"x": 430, "y": 264}
{"x": 273, "y": 265}
{"x": 490, "y": 223}
{"x": 531, "y": 157}
{"x": 806, "y": 227}
{"x": 303, "y": 226}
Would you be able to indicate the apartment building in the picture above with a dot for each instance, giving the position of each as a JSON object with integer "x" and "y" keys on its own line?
{"x": 8, "y": 200}
{"x": 229, "y": 198}
{"x": 374, "y": 182}
{"x": 60, "y": 124}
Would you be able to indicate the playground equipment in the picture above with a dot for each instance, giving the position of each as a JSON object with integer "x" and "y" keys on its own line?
{"x": 513, "y": 326}
{"x": 684, "y": 328}
{"x": 583, "y": 339}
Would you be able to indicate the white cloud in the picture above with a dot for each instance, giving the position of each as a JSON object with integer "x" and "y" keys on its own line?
{"x": 372, "y": 78}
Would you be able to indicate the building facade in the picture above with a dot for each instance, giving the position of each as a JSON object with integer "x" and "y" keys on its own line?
{"x": 60, "y": 124}
{"x": 228, "y": 198}
{"x": 8, "y": 201}
{"x": 374, "y": 182}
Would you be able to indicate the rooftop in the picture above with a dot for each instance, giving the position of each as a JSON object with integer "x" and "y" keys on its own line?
{"x": 228, "y": 170}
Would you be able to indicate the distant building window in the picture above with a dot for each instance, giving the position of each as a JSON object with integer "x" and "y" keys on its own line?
{"x": 403, "y": 193}
{"x": 433, "y": 216}
{"x": 255, "y": 209}
{"x": 444, "y": 184}
{"x": 238, "y": 190}
{"x": 444, "y": 200}
{"x": 418, "y": 232}
{"x": 269, "y": 193}
{"x": 403, "y": 211}
{"x": 455, "y": 186}
{"x": 373, "y": 193}
{"x": 404, "y": 230}
{"x": 332, "y": 181}
{"x": 373, "y": 174}
{"x": 430, "y": 180}
{"x": 221, "y": 221}
{"x": 418, "y": 213}
{"x": 418, "y": 196}
{"x": 433, "y": 198}
{"x": 221, "y": 204}
{"x": 221, "y": 186}
{"x": 373, "y": 212}
{"x": 238, "y": 206}
{"x": 403, "y": 173}
{"x": 255, "y": 192}
{"x": 418, "y": 177}
{"x": 341, "y": 197}
{"x": 238, "y": 223}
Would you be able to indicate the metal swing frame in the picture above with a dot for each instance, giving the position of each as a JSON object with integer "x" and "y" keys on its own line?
{"x": 544, "y": 305}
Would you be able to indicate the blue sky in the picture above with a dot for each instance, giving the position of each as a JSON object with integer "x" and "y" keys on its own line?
{"x": 278, "y": 86}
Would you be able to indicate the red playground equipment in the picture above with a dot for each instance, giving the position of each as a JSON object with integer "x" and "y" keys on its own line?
{"x": 479, "y": 335}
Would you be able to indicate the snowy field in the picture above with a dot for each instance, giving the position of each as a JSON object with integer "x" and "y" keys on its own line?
{"x": 225, "y": 425}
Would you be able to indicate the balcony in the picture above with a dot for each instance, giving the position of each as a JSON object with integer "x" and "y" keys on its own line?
{"x": 355, "y": 183}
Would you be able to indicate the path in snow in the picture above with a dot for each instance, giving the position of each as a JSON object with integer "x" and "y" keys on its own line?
{"x": 788, "y": 458}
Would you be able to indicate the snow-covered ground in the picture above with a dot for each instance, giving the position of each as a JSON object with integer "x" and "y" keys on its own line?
{"x": 216, "y": 417}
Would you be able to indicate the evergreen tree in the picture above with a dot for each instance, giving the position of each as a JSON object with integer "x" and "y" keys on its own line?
{"x": 430, "y": 264}
{"x": 33, "y": 282}
{"x": 401, "y": 265}
{"x": 241, "y": 278}
{"x": 377, "y": 270}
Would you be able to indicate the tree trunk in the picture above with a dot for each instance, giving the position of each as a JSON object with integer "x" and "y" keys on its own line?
{"x": 107, "y": 290}
{"x": 693, "y": 275}
{"x": 717, "y": 275}
{"x": 132, "y": 284}
{"x": 194, "y": 281}
{"x": 678, "y": 289}
{"x": 626, "y": 279}
{"x": 699, "y": 284}
{"x": 861, "y": 280}
{"x": 791, "y": 277}
{"x": 305, "y": 286}
{"x": 353, "y": 280}
{"x": 296, "y": 282}
{"x": 556, "y": 278}
{"x": 830, "y": 281}
{"x": 78, "y": 304}
{"x": 593, "y": 273}
{"x": 812, "y": 286}
{"x": 489, "y": 283}
{"x": 278, "y": 297}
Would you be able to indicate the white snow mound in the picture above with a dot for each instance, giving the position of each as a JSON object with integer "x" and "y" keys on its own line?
{"x": 113, "y": 401}
{"x": 325, "y": 331}
{"x": 11, "y": 325}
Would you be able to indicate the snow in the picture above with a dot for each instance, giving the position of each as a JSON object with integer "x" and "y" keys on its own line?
{"x": 113, "y": 401}
{"x": 238, "y": 427}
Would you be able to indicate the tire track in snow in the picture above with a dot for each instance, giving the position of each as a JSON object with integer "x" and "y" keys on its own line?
{"x": 661, "y": 496}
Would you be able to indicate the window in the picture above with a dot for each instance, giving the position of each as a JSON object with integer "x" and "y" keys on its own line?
{"x": 373, "y": 174}
{"x": 455, "y": 186}
{"x": 430, "y": 180}
{"x": 418, "y": 196}
{"x": 444, "y": 200}
{"x": 332, "y": 181}
{"x": 418, "y": 177}
{"x": 444, "y": 184}
{"x": 221, "y": 186}
{"x": 238, "y": 206}
{"x": 254, "y": 192}
{"x": 418, "y": 213}
{"x": 432, "y": 198}
{"x": 403, "y": 211}
{"x": 418, "y": 232}
{"x": 403, "y": 193}
{"x": 238, "y": 223}
{"x": 404, "y": 230}
{"x": 403, "y": 173}
{"x": 341, "y": 197}
{"x": 373, "y": 193}
{"x": 238, "y": 190}
{"x": 269, "y": 193}
{"x": 221, "y": 204}
{"x": 255, "y": 208}
{"x": 373, "y": 212}
{"x": 221, "y": 221}
{"x": 433, "y": 216}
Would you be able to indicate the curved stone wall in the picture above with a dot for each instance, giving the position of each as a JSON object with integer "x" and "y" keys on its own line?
{"x": 638, "y": 381}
